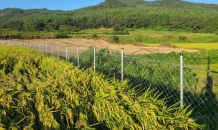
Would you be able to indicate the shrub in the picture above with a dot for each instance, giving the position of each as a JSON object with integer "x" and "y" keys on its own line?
{"x": 138, "y": 38}
{"x": 117, "y": 28}
{"x": 115, "y": 39}
{"x": 182, "y": 38}
{"x": 94, "y": 36}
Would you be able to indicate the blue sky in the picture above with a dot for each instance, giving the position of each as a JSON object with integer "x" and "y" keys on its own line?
{"x": 64, "y": 4}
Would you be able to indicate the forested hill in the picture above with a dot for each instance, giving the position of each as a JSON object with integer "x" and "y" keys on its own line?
{"x": 12, "y": 12}
{"x": 167, "y": 14}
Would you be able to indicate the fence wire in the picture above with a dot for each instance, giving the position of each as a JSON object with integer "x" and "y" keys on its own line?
{"x": 155, "y": 70}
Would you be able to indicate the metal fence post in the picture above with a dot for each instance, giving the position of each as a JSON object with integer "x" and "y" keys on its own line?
{"x": 94, "y": 56}
{"x": 181, "y": 80}
{"x": 42, "y": 47}
{"x": 66, "y": 51}
{"x": 51, "y": 49}
{"x": 46, "y": 49}
{"x": 122, "y": 64}
{"x": 78, "y": 54}
{"x": 58, "y": 50}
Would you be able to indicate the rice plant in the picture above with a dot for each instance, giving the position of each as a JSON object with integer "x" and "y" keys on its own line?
{"x": 43, "y": 92}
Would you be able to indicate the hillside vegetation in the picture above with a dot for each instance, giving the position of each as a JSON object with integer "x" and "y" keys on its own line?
{"x": 165, "y": 15}
{"x": 42, "y": 92}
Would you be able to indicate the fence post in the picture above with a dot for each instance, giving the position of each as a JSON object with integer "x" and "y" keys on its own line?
{"x": 122, "y": 64}
{"x": 66, "y": 51}
{"x": 46, "y": 49}
{"x": 78, "y": 54}
{"x": 94, "y": 56}
{"x": 181, "y": 80}
{"x": 51, "y": 49}
{"x": 42, "y": 47}
{"x": 58, "y": 50}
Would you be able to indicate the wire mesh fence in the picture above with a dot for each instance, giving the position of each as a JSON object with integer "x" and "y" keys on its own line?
{"x": 190, "y": 78}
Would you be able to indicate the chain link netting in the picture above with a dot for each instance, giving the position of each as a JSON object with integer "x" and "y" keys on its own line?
{"x": 154, "y": 69}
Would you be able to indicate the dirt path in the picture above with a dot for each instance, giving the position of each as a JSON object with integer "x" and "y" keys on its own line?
{"x": 85, "y": 43}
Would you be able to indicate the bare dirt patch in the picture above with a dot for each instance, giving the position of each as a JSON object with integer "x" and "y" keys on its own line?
{"x": 84, "y": 44}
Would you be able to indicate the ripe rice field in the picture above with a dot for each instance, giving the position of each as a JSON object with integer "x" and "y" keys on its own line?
{"x": 204, "y": 46}
{"x": 38, "y": 91}
{"x": 201, "y": 46}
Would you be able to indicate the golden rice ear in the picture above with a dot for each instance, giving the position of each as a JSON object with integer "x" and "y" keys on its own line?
{"x": 43, "y": 92}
